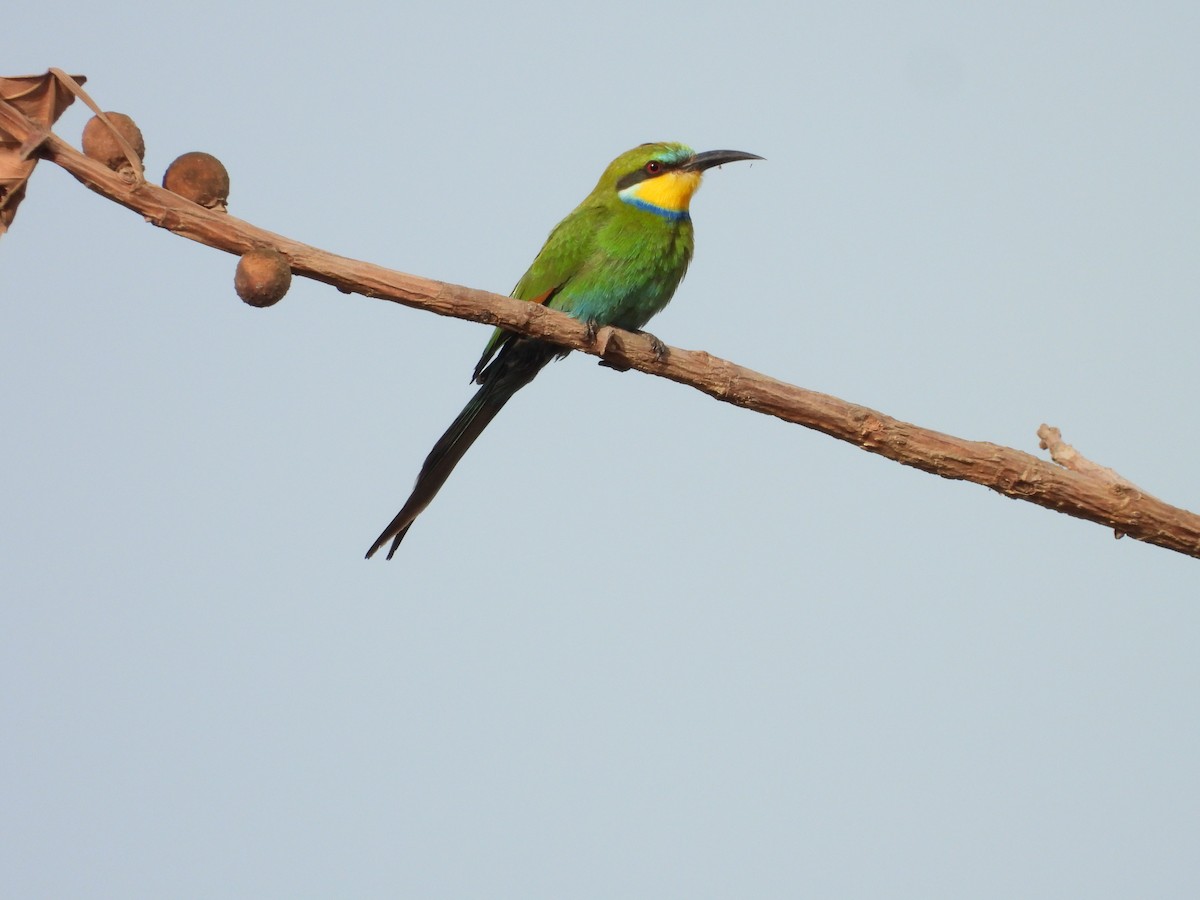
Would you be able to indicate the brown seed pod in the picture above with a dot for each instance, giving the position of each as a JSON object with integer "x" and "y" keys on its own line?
{"x": 101, "y": 144}
{"x": 201, "y": 178}
{"x": 263, "y": 276}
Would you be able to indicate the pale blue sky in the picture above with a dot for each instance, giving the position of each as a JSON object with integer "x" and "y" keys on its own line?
{"x": 643, "y": 644}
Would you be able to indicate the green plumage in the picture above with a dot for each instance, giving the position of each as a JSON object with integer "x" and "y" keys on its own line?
{"x": 615, "y": 260}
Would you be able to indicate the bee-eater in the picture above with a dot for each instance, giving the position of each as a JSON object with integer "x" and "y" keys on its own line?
{"x": 615, "y": 260}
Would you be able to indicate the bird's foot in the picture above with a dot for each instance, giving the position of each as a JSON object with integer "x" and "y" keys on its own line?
{"x": 589, "y": 330}
{"x": 661, "y": 350}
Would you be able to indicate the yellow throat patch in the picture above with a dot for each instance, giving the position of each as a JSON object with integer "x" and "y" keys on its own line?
{"x": 670, "y": 192}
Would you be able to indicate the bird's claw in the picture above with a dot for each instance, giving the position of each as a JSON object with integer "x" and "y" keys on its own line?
{"x": 589, "y": 330}
{"x": 661, "y": 351}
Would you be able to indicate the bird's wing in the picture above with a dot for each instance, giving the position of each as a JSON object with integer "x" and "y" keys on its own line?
{"x": 567, "y": 250}
{"x": 500, "y": 337}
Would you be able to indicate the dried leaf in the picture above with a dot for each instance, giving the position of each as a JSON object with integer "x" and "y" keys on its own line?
{"x": 41, "y": 98}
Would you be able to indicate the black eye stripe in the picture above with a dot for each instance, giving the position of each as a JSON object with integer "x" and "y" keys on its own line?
{"x": 640, "y": 174}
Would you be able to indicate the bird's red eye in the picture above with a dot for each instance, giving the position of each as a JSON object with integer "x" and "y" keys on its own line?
{"x": 653, "y": 167}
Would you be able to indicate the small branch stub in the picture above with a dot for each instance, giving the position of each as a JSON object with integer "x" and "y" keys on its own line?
{"x": 263, "y": 277}
{"x": 101, "y": 142}
{"x": 1050, "y": 438}
{"x": 201, "y": 178}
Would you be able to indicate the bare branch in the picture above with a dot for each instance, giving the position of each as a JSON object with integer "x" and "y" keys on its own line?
{"x": 1112, "y": 502}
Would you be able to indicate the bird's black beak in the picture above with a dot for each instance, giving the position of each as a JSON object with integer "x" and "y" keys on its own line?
{"x": 710, "y": 158}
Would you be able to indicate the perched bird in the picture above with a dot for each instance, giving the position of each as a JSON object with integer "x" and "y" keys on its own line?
{"x": 615, "y": 260}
